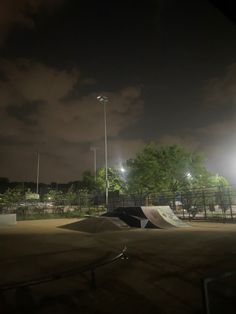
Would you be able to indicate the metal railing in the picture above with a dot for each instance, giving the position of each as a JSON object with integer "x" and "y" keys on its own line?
{"x": 205, "y": 290}
{"x": 67, "y": 273}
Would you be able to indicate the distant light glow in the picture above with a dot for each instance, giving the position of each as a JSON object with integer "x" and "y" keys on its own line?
{"x": 189, "y": 176}
{"x": 122, "y": 169}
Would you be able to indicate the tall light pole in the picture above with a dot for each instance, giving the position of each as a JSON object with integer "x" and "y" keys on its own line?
{"x": 104, "y": 100}
{"x": 94, "y": 149}
{"x": 37, "y": 179}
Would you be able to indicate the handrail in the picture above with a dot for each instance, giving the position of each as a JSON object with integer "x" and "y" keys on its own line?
{"x": 67, "y": 273}
{"x": 205, "y": 283}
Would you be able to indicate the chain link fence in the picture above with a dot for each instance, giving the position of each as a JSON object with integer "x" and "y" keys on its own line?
{"x": 218, "y": 203}
{"x": 215, "y": 203}
{"x": 84, "y": 204}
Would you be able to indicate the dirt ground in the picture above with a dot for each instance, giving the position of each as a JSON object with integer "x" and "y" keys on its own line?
{"x": 163, "y": 273}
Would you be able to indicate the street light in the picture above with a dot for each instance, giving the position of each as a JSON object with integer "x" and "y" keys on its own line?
{"x": 37, "y": 177}
{"x": 104, "y": 100}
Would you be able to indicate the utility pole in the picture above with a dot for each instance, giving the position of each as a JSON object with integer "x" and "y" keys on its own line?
{"x": 94, "y": 149}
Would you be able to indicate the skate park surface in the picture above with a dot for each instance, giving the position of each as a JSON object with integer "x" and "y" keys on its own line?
{"x": 163, "y": 272}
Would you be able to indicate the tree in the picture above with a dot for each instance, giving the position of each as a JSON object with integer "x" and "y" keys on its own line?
{"x": 12, "y": 197}
{"x": 116, "y": 183}
{"x": 144, "y": 171}
{"x": 165, "y": 168}
{"x": 54, "y": 196}
{"x": 70, "y": 196}
{"x": 88, "y": 181}
{"x": 4, "y": 184}
{"x": 217, "y": 181}
{"x": 221, "y": 192}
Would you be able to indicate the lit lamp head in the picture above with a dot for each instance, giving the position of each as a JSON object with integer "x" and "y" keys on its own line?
{"x": 102, "y": 98}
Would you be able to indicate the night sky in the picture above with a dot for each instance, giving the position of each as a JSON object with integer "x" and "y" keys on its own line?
{"x": 167, "y": 66}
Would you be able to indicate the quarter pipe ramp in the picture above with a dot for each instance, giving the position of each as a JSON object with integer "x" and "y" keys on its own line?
{"x": 148, "y": 217}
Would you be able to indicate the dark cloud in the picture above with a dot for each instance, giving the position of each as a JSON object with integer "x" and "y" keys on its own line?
{"x": 25, "y": 112}
{"x": 15, "y": 13}
{"x": 220, "y": 91}
{"x": 38, "y": 115}
{"x": 128, "y": 52}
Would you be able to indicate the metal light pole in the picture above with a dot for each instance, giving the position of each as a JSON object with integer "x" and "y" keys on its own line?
{"x": 104, "y": 100}
{"x": 94, "y": 149}
{"x": 37, "y": 179}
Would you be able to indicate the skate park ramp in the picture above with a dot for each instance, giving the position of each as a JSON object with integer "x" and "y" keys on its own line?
{"x": 148, "y": 217}
{"x": 97, "y": 224}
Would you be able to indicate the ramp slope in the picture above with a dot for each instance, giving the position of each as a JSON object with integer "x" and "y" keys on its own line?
{"x": 162, "y": 217}
{"x": 97, "y": 225}
{"x": 148, "y": 217}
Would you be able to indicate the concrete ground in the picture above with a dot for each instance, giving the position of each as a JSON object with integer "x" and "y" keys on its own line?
{"x": 162, "y": 275}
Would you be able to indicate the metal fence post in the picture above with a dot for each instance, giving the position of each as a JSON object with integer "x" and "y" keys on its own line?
{"x": 204, "y": 203}
{"x": 80, "y": 202}
{"x": 230, "y": 204}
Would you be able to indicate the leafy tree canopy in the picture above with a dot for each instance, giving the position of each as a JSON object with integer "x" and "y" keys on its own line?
{"x": 54, "y": 196}
{"x": 116, "y": 183}
{"x": 169, "y": 168}
{"x": 70, "y": 196}
{"x": 88, "y": 181}
{"x": 12, "y": 197}
{"x": 217, "y": 181}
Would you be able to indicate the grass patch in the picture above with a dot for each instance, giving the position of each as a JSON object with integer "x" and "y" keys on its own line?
{"x": 37, "y": 216}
